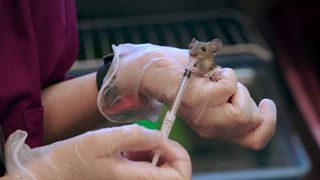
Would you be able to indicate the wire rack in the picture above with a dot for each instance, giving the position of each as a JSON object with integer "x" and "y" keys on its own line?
{"x": 233, "y": 28}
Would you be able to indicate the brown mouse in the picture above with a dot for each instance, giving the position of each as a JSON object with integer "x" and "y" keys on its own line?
{"x": 203, "y": 53}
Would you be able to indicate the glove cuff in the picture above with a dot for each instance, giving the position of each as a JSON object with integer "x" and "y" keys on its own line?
{"x": 103, "y": 69}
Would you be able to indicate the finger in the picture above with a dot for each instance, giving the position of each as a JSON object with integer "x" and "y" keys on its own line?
{"x": 245, "y": 110}
{"x": 146, "y": 156}
{"x": 177, "y": 165}
{"x": 240, "y": 99}
{"x": 200, "y": 89}
{"x": 177, "y": 158}
{"x": 120, "y": 139}
{"x": 237, "y": 117}
{"x": 258, "y": 137}
{"x": 225, "y": 87}
{"x": 139, "y": 155}
{"x": 138, "y": 138}
{"x": 224, "y": 118}
{"x": 240, "y": 110}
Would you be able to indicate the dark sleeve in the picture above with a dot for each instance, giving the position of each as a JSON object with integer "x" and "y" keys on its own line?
{"x": 103, "y": 69}
{"x": 38, "y": 44}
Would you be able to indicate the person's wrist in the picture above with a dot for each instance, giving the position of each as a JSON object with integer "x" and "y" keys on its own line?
{"x": 7, "y": 177}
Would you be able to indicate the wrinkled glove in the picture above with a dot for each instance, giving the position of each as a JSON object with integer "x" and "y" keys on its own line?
{"x": 111, "y": 153}
{"x": 142, "y": 76}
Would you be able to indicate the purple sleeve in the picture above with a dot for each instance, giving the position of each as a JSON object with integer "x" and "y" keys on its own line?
{"x": 38, "y": 45}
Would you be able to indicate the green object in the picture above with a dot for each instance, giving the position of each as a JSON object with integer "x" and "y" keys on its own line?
{"x": 178, "y": 133}
{"x": 149, "y": 124}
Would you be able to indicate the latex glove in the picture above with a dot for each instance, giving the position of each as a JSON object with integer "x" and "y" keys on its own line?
{"x": 98, "y": 155}
{"x": 143, "y": 75}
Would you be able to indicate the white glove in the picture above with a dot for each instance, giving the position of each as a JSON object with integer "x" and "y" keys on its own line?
{"x": 143, "y": 75}
{"x": 111, "y": 153}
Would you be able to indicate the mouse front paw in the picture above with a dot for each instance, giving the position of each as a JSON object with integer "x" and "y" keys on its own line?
{"x": 194, "y": 69}
{"x": 210, "y": 75}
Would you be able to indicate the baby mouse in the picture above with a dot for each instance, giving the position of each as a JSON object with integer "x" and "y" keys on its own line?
{"x": 203, "y": 53}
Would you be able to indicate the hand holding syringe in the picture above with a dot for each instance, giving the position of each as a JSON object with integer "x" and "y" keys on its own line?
{"x": 170, "y": 116}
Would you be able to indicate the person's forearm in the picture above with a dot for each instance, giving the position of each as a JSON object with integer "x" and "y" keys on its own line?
{"x": 70, "y": 108}
{"x": 6, "y": 177}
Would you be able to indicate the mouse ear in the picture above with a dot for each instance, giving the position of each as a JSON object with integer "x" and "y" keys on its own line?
{"x": 193, "y": 40}
{"x": 215, "y": 44}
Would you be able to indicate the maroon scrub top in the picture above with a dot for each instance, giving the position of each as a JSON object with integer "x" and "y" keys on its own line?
{"x": 38, "y": 44}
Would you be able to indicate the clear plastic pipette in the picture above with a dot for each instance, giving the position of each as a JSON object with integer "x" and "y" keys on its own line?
{"x": 170, "y": 117}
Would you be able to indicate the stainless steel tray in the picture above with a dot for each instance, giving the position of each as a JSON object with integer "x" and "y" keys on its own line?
{"x": 245, "y": 51}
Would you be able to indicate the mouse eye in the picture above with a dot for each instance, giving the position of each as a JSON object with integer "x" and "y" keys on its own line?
{"x": 190, "y": 47}
{"x": 203, "y": 49}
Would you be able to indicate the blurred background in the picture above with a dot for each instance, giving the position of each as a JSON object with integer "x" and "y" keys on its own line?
{"x": 273, "y": 47}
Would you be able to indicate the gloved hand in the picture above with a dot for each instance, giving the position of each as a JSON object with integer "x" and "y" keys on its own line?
{"x": 143, "y": 75}
{"x": 111, "y": 153}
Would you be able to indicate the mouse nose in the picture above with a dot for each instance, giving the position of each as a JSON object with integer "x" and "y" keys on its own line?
{"x": 192, "y": 54}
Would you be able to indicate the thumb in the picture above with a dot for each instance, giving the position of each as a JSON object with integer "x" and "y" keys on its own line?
{"x": 268, "y": 108}
{"x": 269, "y": 115}
{"x": 258, "y": 137}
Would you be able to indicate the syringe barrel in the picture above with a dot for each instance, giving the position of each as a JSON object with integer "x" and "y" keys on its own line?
{"x": 167, "y": 124}
{"x": 177, "y": 100}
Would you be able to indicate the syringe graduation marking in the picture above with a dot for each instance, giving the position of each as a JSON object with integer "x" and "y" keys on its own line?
{"x": 187, "y": 72}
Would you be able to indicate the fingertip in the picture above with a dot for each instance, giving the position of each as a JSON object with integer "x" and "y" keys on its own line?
{"x": 175, "y": 154}
{"x": 229, "y": 80}
{"x": 269, "y": 114}
{"x": 174, "y": 144}
{"x": 268, "y": 107}
{"x": 177, "y": 151}
{"x": 151, "y": 134}
{"x": 228, "y": 73}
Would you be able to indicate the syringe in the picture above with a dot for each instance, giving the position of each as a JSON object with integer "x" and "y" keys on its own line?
{"x": 170, "y": 116}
